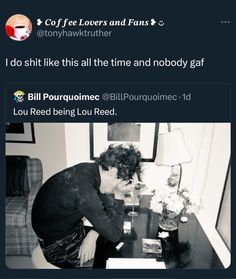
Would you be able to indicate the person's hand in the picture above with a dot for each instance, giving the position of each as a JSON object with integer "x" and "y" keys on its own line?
{"x": 88, "y": 247}
{"x": 123, "y": 187}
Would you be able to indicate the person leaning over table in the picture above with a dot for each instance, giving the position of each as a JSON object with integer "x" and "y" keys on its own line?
{"x": 81, "y": 191}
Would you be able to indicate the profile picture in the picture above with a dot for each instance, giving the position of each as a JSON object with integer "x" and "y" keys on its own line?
{"x": 19, "y": 96}
{"x": 18, "y": 27}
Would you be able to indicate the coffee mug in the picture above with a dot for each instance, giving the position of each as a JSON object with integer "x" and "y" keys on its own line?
{"x": 20, "y": 31}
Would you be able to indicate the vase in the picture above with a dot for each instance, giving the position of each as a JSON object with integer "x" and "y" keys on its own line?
{"x": 169, "y": 221}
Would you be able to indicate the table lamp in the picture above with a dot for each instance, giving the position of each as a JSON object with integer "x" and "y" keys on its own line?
{"x": 172, "y": 151}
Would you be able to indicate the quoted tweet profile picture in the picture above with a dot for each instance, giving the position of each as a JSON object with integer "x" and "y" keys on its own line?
{"x": 18, "y": 96}
{"x": 18, "y": 27}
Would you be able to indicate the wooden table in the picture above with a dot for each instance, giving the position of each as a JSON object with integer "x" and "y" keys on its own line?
{"x": 188, "y": 247}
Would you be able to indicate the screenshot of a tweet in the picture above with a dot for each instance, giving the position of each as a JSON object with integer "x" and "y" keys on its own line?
{"x": 116, "y": 131}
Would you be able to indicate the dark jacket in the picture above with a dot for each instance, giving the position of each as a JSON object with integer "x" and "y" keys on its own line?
{"x": 70, "y": 195}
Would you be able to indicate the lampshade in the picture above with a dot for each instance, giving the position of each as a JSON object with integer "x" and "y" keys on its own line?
{"x": 172, "y": 149}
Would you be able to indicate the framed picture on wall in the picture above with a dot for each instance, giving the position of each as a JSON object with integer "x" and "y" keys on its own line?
{"x": 223, "y": 224}
{"x": 143, "y": 135}
{"x": 20, "y": 132}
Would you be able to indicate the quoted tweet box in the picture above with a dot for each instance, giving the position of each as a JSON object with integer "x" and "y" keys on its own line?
{"x": 117, "y": 102}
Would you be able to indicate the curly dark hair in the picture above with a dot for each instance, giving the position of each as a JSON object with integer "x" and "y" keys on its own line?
{"x": 125, "y": 159}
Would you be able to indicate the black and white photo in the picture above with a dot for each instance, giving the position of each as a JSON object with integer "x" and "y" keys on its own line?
{"x": 67, "y": 209}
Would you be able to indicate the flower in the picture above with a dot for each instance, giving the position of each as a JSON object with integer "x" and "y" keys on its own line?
{"x": 9, "y": 30}
{"x": 168, "y": 200}
{"x": 156, "y": 205}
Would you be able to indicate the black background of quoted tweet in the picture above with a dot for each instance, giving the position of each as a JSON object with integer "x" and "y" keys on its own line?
{"x": 192, "y": 30}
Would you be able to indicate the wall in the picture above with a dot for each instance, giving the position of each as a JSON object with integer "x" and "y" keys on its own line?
{"x": 77, "y": 143}
{"x": 210, "y": 182}
{"x": 49, "y": 147}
